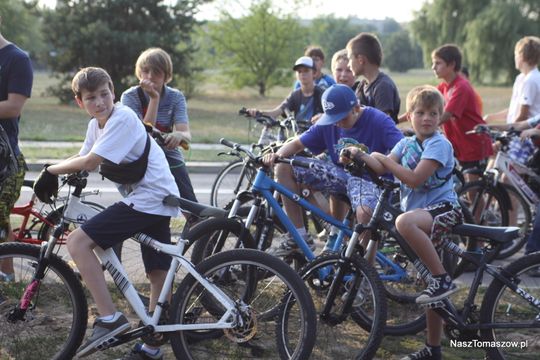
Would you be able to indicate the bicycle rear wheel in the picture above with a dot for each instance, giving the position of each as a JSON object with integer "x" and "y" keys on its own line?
{"x": 278, "y": 313}
{"x": 54, "y": 325}
{"x": 502, "y": 305}
{"x": 215, "y": 235}
{"x": 339, "y": 336}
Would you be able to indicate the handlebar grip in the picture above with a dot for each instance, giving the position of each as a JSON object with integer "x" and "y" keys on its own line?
{"x": 243, "y": 111}
{"x": 296, "y": 162}
{"x": 226, "y": 142}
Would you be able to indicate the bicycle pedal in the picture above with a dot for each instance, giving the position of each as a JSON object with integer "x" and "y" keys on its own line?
{"x": 433, "y": 305}
{"x": 107, "y": 343}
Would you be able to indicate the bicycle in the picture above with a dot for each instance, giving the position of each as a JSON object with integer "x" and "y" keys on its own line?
{"x": 511, "y": 301}
{"x": 239, "y": 174}
{"x": 490, "y": 200}
{"x": 241, "y": 302}
{"x": 36, "y": 224}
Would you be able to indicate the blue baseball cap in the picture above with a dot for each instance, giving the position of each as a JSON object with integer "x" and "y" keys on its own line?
{"x": 337, "y": 101}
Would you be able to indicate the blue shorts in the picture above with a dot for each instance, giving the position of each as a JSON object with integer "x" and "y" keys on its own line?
{"x": 328, "y": 177}
{"x": 119, "y": 222}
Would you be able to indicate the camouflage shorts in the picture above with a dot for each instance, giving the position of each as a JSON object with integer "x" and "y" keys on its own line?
{"x": 445, "y": 217}
{"x": 11, "y": 189}
{"x": 326, "y": 176}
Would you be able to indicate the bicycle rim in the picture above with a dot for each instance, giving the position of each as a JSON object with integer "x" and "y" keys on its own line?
{"x": 502, "y": 305}
{"x": 343, "y": 338}
{"x": 233, "y": 178}
{"x": 279, "y": 323}
{"x": 54, "y": 325}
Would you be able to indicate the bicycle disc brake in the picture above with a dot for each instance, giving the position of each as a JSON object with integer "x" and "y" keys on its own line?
{"x": 246, "y": 326}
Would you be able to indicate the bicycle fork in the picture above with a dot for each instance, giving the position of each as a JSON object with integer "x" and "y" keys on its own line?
{"x": 19, "y": 312}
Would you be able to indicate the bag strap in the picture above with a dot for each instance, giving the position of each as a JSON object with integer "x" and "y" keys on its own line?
{"x": 143, "y": 100}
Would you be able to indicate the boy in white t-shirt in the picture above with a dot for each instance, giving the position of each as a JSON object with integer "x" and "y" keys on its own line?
{"x": 115, "y": 134}
{"x": 525, "y": 102}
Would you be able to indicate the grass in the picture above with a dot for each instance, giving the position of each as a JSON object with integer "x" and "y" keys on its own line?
{"x": 212, "y": 112}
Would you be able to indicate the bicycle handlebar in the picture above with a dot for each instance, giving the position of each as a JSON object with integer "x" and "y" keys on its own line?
{"x": 260, "y": 118}
{"x": 358, "y": 167}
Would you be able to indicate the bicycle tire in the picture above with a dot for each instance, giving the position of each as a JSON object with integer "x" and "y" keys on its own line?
{"x": 494, "y": 211}
{"x": 334, "y": 338}
{"x": 290, "y": 332}
{"x": 500, "y": 304}
{"x": 215, "y": 235}
{"x": 236, "y": 175}
{"x": 524, "y": 222}
{"x": 56, "y": 322}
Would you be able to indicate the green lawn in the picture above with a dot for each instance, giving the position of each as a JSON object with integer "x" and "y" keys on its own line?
{"x": 212, "y": 112}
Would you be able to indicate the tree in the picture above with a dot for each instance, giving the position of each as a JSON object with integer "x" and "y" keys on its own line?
{"x": 21, "y": 25}
{"x": 257, "y": 49}
{"x": 485, "y": 29}
{"x": 401, "y": 53}
{"x": 332, "y": 34}
{"x": 111, "y": 34}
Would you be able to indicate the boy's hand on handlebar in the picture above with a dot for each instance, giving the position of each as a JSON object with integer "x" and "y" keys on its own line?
{"x": 269, "y": 159}
{"x": 46, "y": 186}
{"x": 174, "y": 139}
{"x": 529, "y": 133}
{"x": 253, "y": 112}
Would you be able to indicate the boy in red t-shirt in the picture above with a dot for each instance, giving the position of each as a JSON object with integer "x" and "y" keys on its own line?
{"x": 461, "y": 111}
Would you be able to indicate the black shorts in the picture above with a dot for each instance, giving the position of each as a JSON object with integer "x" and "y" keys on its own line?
{"x": 119, "y": 222}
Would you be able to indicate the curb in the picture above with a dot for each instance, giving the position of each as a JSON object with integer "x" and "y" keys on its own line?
{"x": 194, "y": 167}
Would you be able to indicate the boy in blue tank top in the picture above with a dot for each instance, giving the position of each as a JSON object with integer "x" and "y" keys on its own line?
{"x": 424, "y": 163}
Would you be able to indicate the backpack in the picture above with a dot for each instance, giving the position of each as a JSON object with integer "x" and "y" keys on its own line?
{"x": 8, "y": 160}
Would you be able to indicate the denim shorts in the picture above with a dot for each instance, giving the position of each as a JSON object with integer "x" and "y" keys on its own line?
{"x": 327, "y": 177}
{"x": 119, "y": 222}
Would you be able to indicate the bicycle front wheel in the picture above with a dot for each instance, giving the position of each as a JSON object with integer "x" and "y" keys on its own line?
{"x": 521, "y": 337}
{"x": 54, "y": 325}
{"x": 276, "y": 310}
{"x": 339, "y": 336}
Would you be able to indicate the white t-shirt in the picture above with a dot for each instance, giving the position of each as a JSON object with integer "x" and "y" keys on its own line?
{"x": 122, "y": 140}
{"x": 526, "y": 91}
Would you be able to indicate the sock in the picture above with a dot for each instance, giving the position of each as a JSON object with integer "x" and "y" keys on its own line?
{"x": 150, "y": 351}
{"x": 110, "y": 318}
{"x": 435, "y": 350}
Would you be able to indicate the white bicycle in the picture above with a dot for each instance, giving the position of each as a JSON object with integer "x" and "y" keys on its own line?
{"x": 236, "y": 304}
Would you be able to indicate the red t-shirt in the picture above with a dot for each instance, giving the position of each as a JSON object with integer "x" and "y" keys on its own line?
{"x": 460, "y": 101}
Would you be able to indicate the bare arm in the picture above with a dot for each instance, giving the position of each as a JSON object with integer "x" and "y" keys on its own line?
{"x": 523, "y": 114}
{"x": 87, "y": 162}
{"x": 411, "y": 178}
{"x": 286, "y": 150}
{"x": 12, "y": 107}
{"x": 498, "y": 116}
{"x": 446, "y": 116}
{"x": 153, "y": 103}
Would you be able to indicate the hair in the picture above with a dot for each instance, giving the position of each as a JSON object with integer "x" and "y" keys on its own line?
{"x": 156, "y": 59}
{"x": 90, "y": 79}
{"x": 338, "y": 56}
{"x": 465, "y": 71}
{"x": 313, "y": 50}
{"x": 529, "y": 48}
{"x": 450, "y": 53}
{"x": 425, "y": 96}
{"x": 368, "y": 45}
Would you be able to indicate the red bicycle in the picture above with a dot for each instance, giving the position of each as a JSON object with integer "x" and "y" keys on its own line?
{"x": 37, "y": 222}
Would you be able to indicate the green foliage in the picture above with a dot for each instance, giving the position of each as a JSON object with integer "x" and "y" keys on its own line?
{"x": 21, "y": 25}
{"x": 485, "y": 29}
{"x": 112, "y": 34}
{"x": 257, "y": 49}
{"x": 401, "y": 53}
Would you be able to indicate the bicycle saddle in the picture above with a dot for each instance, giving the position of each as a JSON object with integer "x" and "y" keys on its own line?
{"x": 194, "y": 208}
{"x": 496, "y": 234}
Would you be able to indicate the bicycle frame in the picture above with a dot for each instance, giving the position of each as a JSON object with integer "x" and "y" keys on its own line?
{"x": 513, "y": 170}
{"x": 266, "y": 187}
{"x": 78, "y": 212}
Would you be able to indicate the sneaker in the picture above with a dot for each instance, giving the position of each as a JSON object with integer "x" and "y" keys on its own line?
{"x": 329, "y": 245}
{"x": 137, "y": 353}
{"x": 440, "y": 287}
{"x": 7, "y": 277}
{"x": 104, "y": 334}
{"x": 289, "y": 246}
{"x": 426, "y": 353}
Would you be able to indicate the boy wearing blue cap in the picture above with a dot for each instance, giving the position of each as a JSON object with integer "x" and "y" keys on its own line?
{"x": 343, "y": 123}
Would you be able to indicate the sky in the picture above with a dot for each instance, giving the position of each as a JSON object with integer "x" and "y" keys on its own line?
{"x": 400, "y": 10}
